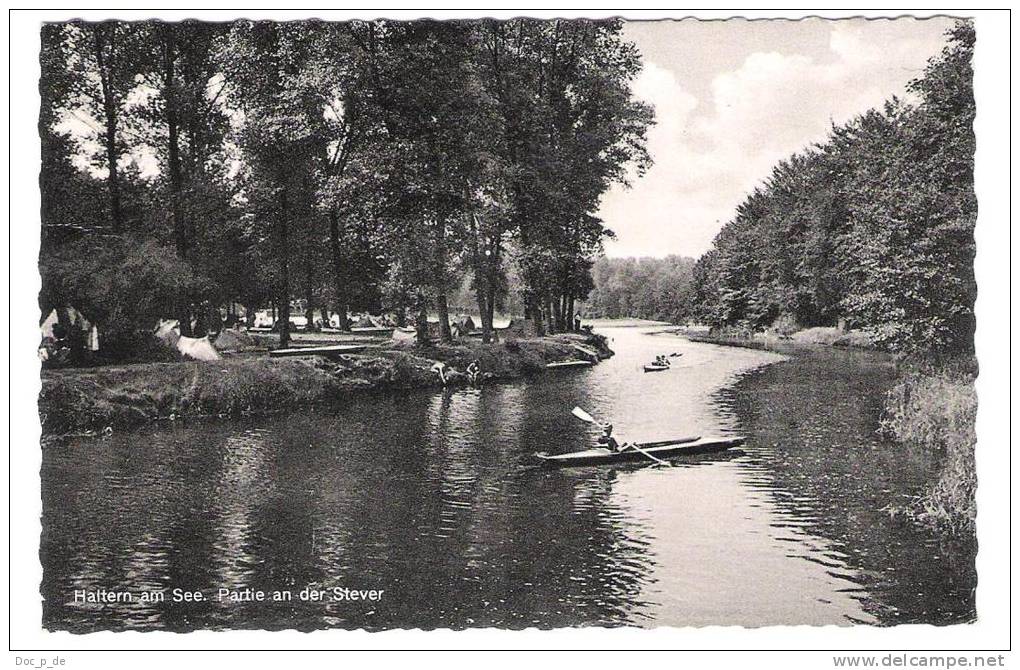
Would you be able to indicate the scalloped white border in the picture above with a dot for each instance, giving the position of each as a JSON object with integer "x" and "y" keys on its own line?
{"x": 992, "y": 88}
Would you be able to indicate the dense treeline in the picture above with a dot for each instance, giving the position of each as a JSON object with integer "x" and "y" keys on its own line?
{"x": 872, "y": 229}
{"x": 354, "y": 166}
{"x": 646, "y": 288}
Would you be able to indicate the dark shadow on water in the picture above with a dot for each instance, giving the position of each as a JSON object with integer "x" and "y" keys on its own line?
{"x": 428, "y": 510}
{"x": 812, "y": 441}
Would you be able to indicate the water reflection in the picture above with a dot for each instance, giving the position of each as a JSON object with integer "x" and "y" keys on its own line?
{"x": 429, "y": 497}
{"x": 819, "y": 456}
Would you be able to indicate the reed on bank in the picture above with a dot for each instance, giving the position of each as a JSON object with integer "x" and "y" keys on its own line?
{"x": 935, "y": 408}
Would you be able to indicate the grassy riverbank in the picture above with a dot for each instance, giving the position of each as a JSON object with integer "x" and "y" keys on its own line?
{"x": 833, "y": 337}
{"x": 91, "y": 399}
{"x": 936, "y": 409}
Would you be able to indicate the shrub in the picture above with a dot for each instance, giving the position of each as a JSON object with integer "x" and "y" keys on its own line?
{"x": 123, "y": 286}
{"x": 937, "y": 411}
{"x": 785, "y": 325}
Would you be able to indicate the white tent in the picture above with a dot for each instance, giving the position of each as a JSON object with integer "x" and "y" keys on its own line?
{"x": 77, "y": 321}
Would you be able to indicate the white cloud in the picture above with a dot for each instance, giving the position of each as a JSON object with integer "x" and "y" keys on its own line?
{"x": 710, "y": 153}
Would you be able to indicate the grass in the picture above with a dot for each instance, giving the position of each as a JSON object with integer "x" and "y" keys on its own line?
{"x": 87, "y": 400}
{"x": 936, "y": 410}
{"x": 745, "y": 337}
{"x": 835, "y": 337}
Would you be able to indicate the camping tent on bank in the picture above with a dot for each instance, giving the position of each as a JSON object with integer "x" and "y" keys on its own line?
{"x": 66, "y": 334}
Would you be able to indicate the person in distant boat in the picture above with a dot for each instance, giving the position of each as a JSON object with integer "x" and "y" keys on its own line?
{"x": 606, "y": 439}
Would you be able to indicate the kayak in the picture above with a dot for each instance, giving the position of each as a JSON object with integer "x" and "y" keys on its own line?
{"x": 655, "y": 367}
{"x": 688, "y": 446}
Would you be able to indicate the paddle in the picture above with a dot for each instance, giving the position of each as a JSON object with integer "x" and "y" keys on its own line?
{"x": 588, "y": 418}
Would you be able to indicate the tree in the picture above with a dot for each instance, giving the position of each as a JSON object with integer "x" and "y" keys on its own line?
{"x": 872, "y": 228}
{"x": 349, "y": 164}
{"x": 582, "y": 133}
{"x": 102, "y": 61}
{"x": 280, "y": 139}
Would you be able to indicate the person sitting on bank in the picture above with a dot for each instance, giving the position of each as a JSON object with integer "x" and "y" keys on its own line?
{"x": 473, "y": 370}
{"x": 439, "y": 368}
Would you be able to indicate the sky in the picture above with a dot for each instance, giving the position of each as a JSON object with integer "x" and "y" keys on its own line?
{"x": 732, "y": 98}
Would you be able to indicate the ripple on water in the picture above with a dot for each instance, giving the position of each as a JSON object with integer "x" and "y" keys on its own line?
{"x": 423, "y": 495}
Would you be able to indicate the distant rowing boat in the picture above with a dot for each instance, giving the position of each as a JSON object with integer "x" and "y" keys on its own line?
{"x": 568, "y": 364}
{"x": 687, "y": 446}
{"x": 655, "y": 367}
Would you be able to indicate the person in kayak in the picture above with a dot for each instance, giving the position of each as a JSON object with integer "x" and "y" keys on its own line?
{"x": 607, "y": 441}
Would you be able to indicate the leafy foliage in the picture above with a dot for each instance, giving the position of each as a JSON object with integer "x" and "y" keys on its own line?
{"x": 646, "y": 288}
{"x": 360, "y": 165}
{"x": 873, "y": 228}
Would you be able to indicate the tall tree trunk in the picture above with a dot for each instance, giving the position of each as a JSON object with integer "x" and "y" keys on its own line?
{"x": 174, "y": 158}
{"x": 443, "y": 310}
{"x": 113, "y": 181}
{"x": 173, "y": 148}
{"x": 492, "y": 284}
{"x": 482, "y": 278}
{"x": 249, "y": 314}
{"x": 480, "y": 299}
{"x": 490, "y": 305}
{"x": 533, "y": 311}
{"x": 336, "y": 251}
{"x": 570, "y": 313}
{"x": 284, "y": 319}
{"x": 309, "y": 295}
{"x": 440, "y": 283}
{"x": 110, "y": 117}
{"x": 422, "y": 322}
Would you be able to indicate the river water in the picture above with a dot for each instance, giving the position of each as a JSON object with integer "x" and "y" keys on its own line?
{"x": 431, "y": 498}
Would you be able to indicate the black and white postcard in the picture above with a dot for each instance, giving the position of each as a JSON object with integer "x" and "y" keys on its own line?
{"x": 583, "y": 324}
